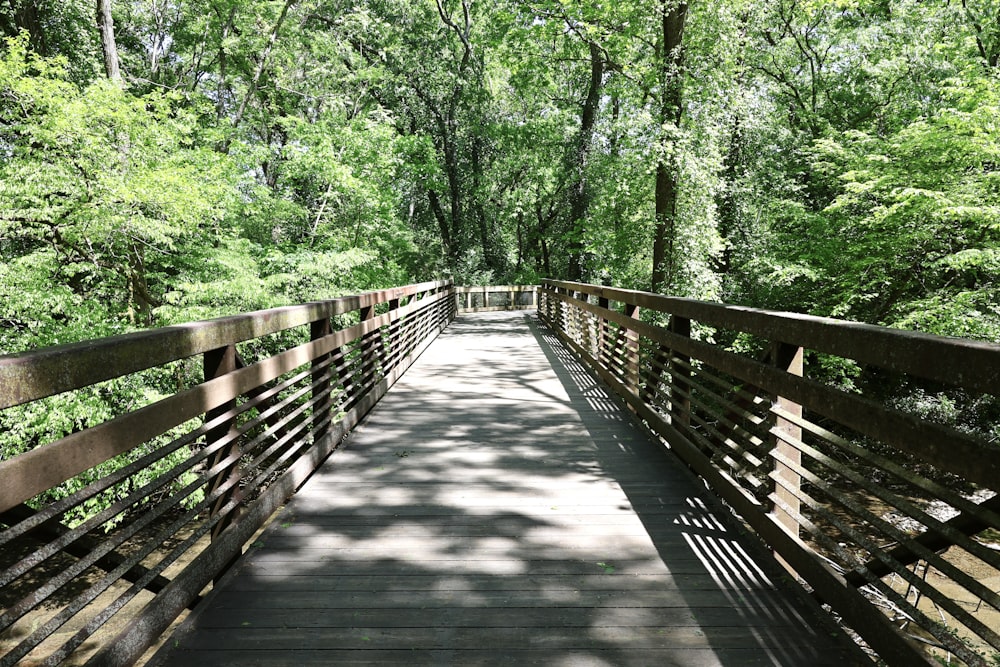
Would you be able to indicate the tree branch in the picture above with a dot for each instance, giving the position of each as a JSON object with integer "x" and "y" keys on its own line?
{"x": 261, "y": 64}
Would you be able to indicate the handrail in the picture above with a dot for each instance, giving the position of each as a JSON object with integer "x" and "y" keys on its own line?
{"x": 203, "y": 468}
{"x": 32, "y": 375}
{"x": 879, "y": 510}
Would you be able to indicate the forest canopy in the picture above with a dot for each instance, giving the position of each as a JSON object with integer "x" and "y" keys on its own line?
{"x": 171, "y": 160}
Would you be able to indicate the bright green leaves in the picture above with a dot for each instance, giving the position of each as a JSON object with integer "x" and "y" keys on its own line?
{"x": 911, "y": 238}
{"x": 100, "y": 163}
{"x": 835, "y": 157}
{"x": 880, "y": 156}
{"x": 38, "y": 309}
{"x": 101, "y": 188}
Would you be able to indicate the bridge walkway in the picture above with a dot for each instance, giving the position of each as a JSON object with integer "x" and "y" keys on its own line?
{"x": 499, "y": 507}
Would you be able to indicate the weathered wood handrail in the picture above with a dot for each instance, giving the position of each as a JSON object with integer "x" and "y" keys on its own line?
{"x": 238, "y": 445}
{"x": 877, "y": 509}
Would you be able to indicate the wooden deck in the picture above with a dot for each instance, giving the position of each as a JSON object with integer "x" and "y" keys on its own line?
{"x": 498, "y": 507}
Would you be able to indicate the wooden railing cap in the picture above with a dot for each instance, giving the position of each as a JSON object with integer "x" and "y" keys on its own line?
{"x": 28, "y": 376}
{"x": 971, "y": 364}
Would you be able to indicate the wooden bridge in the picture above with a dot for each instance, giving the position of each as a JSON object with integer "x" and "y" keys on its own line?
{"x": 553, "y": 490}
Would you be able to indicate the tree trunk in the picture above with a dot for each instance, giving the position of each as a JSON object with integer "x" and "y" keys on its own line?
{"x": 442, "y": 220}
{"x": 25, "y": 13}
{"x": 489, "y": 237}
{"x": 728, "y": 201}
{"x": 453, "y": 173}
{"x": 221, "y": 94}
{"x": 259, "y": 70}
{"x": 520, "y": 241}
{"x": 449, "y": 123}
{"x": 674, "y": 15}
{"x": 579, "y": 191}
{"x": 106, "y": 25}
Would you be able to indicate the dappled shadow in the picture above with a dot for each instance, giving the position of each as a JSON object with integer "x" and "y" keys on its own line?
{"x": 760, "y": 593}
{"x": 491, "y": 511}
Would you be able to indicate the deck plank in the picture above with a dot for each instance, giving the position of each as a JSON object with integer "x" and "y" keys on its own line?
{"x": 499, "y": 508}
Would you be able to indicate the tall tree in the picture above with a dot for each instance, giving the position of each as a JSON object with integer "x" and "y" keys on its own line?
{"x": 106, "y": 26}
{"x": 24, "y": 15}
{"x": 262, "y": 63}
{"x": 673, "y": 16}
{"x": 579, "y": 163}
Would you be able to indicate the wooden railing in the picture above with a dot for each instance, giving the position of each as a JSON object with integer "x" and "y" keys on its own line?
{"x": 496, "y": 297}
{"x": 888, "y": 517}
{"x": 277, "y": 390}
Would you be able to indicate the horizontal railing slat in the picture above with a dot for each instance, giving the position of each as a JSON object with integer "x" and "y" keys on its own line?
{"x": 44, "y": 467}
{"x": 32, "y": 375}
{"x": 973, "y": 365}
{"x": 239, "y": 442}
{"x": 861, "y": 477}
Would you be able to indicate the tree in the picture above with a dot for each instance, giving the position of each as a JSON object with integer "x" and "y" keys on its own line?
{"x": 673, "y": 15}
{"x": 24, "y": 15}
{"x": 759, "y": 147}
{"x": 106, "y": 26}
{"x": 103, "y": 182}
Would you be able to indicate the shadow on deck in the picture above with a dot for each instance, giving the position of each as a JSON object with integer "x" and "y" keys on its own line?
{"x": 500, "y": 507}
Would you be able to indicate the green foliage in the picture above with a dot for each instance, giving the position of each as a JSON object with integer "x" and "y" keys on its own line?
{"x": 911, "y": 238}
{"x": 34, "y": 424}
{"x": 118, "y": 210}
{"x": 106, "y": 186}
{"x": 832, "y": 158}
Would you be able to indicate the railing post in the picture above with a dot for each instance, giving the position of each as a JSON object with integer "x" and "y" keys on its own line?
{"x": 576, "y": 324}
{"x": 602, "y": 330}
{"x": 680, "y": 374}
{"x": 789, "y": 358}
{"x": 392, "y": 345}
{"x": 216, "y": 363}
{"x": 667, "y": 360}
{"x": 632, "y": 350}
{"x": 579, "y": 323}
{"x": 573, "y": 324}
{"x": 450, "y": 308}
{"x": 557, "y": 310}
{"x": 368, "y": 343}
{"x": 322, "y": 388}
{"x": 593, "y": 324}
